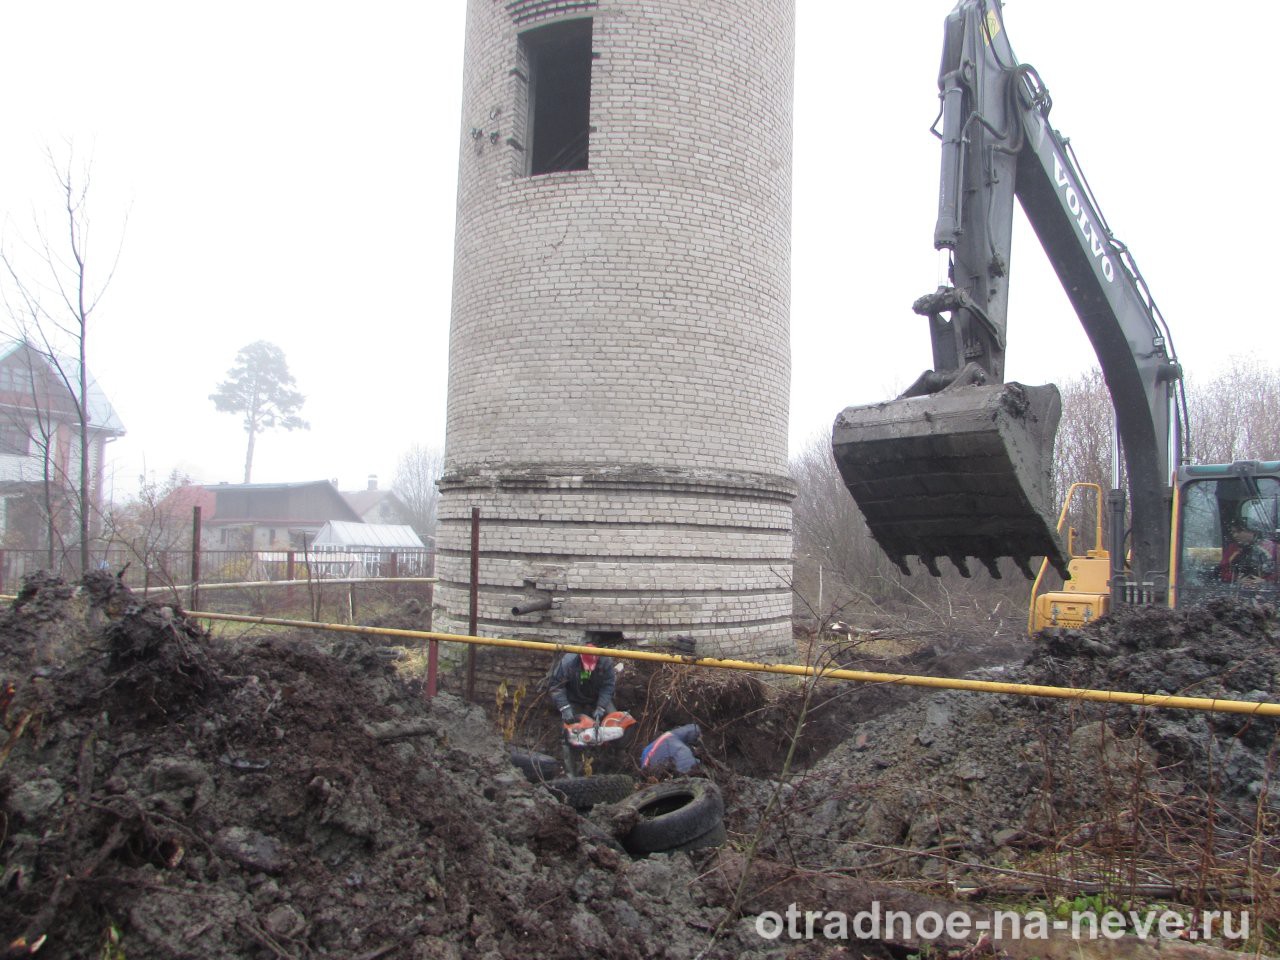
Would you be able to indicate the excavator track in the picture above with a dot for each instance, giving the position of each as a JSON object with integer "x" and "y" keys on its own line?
{"x": 961, "y": 473}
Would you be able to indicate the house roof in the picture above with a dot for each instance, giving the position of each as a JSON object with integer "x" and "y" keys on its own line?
{"x": 102, "y": 416}
{"x": 310, "y": 503}
{"x": 181, "y": 500}
{"x": 383, "y": 536}
{"x": 364, "y": 501}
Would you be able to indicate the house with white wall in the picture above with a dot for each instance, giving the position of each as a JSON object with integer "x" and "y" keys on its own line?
{"x": 40, "y": 446}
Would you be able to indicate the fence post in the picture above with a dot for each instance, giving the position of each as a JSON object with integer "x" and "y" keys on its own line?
{"x": 393, "y": 566}
{"x": 290, "y": 570}
{"x": 1, "y": 571}
{"x": 473, "y": 620}
{"x": 195, "y": 558}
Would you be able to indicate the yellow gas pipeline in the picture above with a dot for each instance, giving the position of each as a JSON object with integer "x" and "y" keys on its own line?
{"x": 1213, "y": 705}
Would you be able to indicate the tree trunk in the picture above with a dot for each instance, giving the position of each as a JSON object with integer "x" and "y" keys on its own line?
{"x": 248, "y": 458}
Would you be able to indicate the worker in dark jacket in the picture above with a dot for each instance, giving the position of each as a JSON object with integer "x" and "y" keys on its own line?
{"x": 672, "y": 751}
{"x": 582, "y": 684}
{"x": 1247, "y": 559}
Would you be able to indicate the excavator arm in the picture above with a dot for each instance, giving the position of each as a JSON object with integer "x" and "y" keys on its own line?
{"x": 959, "y": 465}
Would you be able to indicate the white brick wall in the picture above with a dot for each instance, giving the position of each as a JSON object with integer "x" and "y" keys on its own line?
{"x": 628, "y": 324}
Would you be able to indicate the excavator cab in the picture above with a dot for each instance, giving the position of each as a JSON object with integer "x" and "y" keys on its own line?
{"x": 1226, "y": 532}
{"x": 1224, "y": 542}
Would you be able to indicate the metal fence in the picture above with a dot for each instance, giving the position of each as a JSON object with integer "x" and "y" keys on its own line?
{"x": 269, "y": 581}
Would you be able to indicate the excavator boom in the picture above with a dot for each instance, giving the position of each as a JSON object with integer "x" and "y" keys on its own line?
{"x": 959, "y": 465}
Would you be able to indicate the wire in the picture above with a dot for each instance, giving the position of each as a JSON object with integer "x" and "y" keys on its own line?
{"x": 986, "y": 9}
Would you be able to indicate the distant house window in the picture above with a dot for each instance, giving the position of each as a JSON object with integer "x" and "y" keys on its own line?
{"x": 14, "y": 379}
{"x": 14, "y": 440}
{"x": 559, "y": 62}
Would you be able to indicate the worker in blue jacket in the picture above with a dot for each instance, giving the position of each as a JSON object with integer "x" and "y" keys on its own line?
{"x": 672, "y": 751}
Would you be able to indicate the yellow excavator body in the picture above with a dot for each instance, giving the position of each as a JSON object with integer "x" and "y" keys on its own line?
{"x": 1086, "y": 594}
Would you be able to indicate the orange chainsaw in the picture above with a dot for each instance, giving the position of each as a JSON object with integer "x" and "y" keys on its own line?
{"x": 585, "y": 732}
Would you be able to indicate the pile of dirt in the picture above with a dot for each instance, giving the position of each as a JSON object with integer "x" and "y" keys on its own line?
{"x": 167, "y": 794}
{"x": 957, "y": 780}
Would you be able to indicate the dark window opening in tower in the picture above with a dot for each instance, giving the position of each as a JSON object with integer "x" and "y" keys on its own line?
{"x": 559, "y": 59}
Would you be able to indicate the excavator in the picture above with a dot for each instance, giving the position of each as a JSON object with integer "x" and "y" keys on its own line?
{"x": 959, "y": 466}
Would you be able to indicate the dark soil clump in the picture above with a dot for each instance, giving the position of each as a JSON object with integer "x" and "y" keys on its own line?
{"x": 957, "y": 780}
{"x": 194, "y": 797}
{"x": 168, "y": 793}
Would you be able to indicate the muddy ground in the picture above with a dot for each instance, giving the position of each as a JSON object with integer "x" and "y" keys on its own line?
{"x": 167, "y": 794}
{"x": 959, "y": 782}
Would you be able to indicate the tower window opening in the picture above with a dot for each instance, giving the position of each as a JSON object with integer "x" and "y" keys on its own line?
{"x": 559, "y": 62}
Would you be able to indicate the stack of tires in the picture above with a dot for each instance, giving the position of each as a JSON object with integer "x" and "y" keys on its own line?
{"x": 581, "y": 793}
{"x": 677, "y": 815}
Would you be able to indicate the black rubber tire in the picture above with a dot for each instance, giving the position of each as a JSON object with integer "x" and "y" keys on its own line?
{"x": 672, "y": 814}
{"x": 538, "y": 767}
{"x": 583, "y": 793}
{"x": 715, "y": 837}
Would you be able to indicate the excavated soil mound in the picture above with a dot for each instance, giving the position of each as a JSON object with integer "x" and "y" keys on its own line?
{"x": 167, "y": 794}
{"x": 960, "y": 779}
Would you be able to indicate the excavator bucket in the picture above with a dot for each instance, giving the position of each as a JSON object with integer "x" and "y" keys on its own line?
{"x": 959, "y": 473}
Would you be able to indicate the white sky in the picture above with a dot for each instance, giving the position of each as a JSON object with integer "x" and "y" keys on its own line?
{"x": 289, "y": 172}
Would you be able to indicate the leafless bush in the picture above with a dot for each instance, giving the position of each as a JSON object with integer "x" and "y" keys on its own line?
{"x": 841, "y": 572}
{"x": 147, "y": 529}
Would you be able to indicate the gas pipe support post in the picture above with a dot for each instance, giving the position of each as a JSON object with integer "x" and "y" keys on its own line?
{"x": 195, "y": 557}
{"x": 473, "y": 618}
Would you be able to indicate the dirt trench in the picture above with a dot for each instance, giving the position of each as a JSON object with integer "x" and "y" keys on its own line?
{"x": 168, "y": 794}
{"x": 165, "y": 793}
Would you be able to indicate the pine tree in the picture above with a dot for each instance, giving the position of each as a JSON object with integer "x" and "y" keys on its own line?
{"x": 260, "y": 387}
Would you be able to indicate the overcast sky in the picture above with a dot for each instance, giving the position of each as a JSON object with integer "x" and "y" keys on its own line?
{"x": 289, "y": 172}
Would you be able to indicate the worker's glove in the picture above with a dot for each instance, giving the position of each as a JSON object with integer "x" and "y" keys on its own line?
{"x": 598, "y": 715}
{"x": 566, "y": 714}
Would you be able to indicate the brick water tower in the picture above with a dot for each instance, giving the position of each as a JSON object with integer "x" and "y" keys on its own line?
{"x": 618, "y": 359}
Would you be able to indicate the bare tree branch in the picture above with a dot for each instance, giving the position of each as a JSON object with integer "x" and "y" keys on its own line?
{"x": 59, "y": 338}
